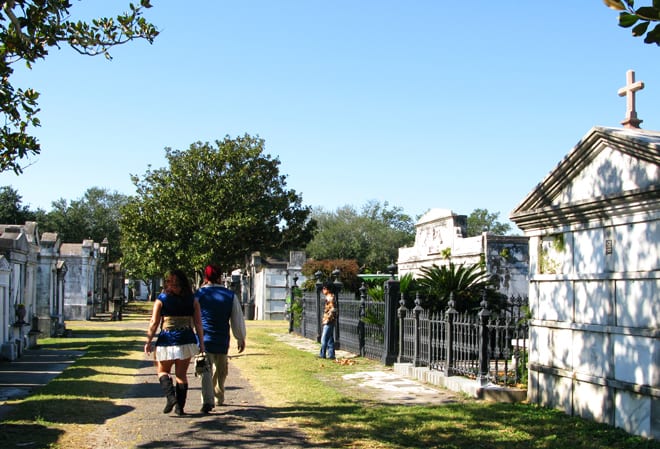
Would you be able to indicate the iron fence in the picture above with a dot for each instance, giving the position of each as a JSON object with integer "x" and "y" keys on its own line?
{"x": 488, "y": 346}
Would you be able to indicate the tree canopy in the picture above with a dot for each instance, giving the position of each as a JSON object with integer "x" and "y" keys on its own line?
{"x": 94, "y": 216}
{"x": 371, "y": 236}
{"x": 12, "y": 209}
{"x": 28, "y": 30}
{"x": 481, "y": 220}
{"x": 214, "y": 203}
{"x": 638, "y": 19}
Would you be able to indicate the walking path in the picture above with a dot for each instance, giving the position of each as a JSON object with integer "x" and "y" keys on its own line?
{"x": 244, "y": 421}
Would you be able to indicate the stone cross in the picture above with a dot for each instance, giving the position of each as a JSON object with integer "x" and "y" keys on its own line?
{"x": 629, "y": 90}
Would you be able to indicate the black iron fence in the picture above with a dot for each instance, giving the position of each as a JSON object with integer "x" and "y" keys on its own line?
{"x": 487, "y": 345}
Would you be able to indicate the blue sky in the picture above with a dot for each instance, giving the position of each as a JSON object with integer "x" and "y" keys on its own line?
{"x": 422, "y": 104}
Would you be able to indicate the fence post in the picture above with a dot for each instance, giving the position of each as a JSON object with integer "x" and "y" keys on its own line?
{"x": 391, "y": 296}
{"x": 416, "y": 311}
{"x": 449, "y": 337}
{"x": 319, "y": 285}
{"x": 303, "y": 320}
{"x": 361, "y": 314}
{"x": 401, "y": 312}
{"x": 292, "y": 299}
{"x": 337, "y": 285}
{"x": 484, "y": 362}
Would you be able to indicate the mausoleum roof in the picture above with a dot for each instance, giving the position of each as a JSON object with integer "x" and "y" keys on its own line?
{"x": 435, "y": 214}
{"x": 611, "y": 171}
{"x": 71, "y": 249}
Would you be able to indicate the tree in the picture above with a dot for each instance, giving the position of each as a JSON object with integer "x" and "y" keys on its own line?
{"x": 95, "y": 216}
{"x": 481, "y": 220}
{"x": 28, "y": 29}
{"x": 372, "y": 237}
{"x": 639, "y": 19}
{"x": 348, "y": 271}
{"x": 12, "y": 211}
{"x": 214, "y": 203}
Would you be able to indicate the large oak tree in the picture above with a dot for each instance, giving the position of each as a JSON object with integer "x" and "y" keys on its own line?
{"x": 212, "y": 203}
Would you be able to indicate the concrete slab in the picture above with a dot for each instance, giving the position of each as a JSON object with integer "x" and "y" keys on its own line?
{"x": 34, "y": 369}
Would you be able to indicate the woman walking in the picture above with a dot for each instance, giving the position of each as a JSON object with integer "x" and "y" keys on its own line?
{"x": 176, "y": 312}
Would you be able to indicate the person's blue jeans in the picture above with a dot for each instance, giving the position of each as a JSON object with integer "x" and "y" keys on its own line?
{"x": 328, "y": 341}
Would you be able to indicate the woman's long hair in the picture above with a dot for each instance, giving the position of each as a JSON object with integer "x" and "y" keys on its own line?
{"x": 184, "y": 283}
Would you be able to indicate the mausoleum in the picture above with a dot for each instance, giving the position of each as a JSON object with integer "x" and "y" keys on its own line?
{"x": 441, "y": 238}
{"x": 594, "y": 228}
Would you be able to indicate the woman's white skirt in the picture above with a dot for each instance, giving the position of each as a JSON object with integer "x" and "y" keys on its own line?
{"x": 176, "y": 352}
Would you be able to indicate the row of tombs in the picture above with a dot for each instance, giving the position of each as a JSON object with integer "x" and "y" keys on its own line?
{"x": 44, "y": 282}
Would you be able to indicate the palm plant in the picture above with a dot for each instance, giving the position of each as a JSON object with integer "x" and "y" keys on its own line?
{"x": 465, "y": 283}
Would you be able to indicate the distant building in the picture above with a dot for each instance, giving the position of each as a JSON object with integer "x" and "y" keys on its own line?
{"x": 440, "y": 238}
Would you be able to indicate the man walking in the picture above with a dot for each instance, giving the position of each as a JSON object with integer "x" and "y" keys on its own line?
{"x": 220, "y": 311}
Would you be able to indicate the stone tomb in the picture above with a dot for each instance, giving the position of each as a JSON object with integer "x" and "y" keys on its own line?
{"x": 594, "y": 230}
{"x": 441, "y": 238}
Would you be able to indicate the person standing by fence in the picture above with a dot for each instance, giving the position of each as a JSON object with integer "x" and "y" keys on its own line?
{"x": 220, "y": 310}
{"x": 329, "y": 321}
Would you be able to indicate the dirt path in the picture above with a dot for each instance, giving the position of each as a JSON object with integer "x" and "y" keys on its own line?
{"x": 244, "y": 422}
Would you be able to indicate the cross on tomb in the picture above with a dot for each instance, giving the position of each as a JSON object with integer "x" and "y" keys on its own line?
{"x": 629, "y": 90}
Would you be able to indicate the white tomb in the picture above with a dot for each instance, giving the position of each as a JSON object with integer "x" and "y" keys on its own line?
{"x": 594, "y": 231}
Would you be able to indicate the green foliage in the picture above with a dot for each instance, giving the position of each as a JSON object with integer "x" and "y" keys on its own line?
{"x": 465, "y": 283}
{"x": 348, "y": 271}
{"x": 28, "y": 29}
{"x": 376, "y": 293}
{"x": 408, "y": 285}
{"x": 548, "y": 252}
{"x": 371, "y": 236}
{"x": 12, "y": 211}
{"x": 95, "y": 216}
{"x": 481, "y": 220}
{"x": 213, "y": 203}
{"x": 297, "y": 307}
{"x": 638, "y": 19}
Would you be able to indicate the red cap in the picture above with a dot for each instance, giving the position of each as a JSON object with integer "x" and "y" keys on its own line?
{"x": 212, "y": 273}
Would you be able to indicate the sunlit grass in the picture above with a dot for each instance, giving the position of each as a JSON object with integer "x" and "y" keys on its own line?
{"x": 311, "y": 393}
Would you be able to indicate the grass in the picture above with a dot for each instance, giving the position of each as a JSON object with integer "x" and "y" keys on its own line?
{"x": 311, "y": 393}
{"x": 83, "y": 396}
{"x": 299, "y": 389}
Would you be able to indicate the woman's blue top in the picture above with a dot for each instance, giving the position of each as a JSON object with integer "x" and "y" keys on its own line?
{"x": 174, "y": 305}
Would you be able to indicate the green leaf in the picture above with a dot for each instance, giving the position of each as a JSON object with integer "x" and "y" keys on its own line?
{"x": 626, "y": 20}
{"x": 653, "y": 37}
{"x": 640, "y": 29}
{"x": 648, "y": 13}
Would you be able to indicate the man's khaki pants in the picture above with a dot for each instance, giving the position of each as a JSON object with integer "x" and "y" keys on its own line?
{"x": 213, "y": 380}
